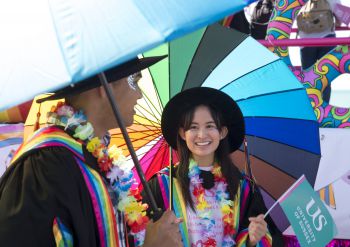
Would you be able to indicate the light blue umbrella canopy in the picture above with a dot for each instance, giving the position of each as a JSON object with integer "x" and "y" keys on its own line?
{"x": 46, "y": 45}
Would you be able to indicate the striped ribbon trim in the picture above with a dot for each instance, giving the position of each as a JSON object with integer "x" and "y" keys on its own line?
{"x": 103, "y": 208}
{"x": 61, "y": 234}
{"x": 327, "y": 196}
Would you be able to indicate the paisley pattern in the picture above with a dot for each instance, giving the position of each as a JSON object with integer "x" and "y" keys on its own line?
{"x": 316, "y": 78}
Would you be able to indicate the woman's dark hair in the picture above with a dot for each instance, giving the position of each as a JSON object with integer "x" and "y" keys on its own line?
{"x": 228, "y": 169}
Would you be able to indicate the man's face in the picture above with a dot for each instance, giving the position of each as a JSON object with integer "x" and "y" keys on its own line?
{"x": 126, "y": 93}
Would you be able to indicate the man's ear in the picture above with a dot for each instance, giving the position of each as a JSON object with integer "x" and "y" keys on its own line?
{"x": 223, "y": 132}
{"x": 182, "y": 134}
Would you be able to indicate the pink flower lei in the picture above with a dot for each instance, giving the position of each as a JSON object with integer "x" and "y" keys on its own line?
{"x": 203, "y": 208}
{"x": 111, "y": 162}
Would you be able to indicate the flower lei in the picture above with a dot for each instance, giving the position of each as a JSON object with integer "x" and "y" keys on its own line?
{"x": 111, "y": 162}
{"x": 203, "y": 208}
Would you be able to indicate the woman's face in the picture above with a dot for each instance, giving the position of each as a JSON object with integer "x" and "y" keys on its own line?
{"x": 203, "y": 136}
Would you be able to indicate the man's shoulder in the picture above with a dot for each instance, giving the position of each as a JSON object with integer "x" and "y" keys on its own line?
{"x": 49, "y": 141}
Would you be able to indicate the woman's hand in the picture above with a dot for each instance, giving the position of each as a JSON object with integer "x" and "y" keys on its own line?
{"x": 257, "y": 229}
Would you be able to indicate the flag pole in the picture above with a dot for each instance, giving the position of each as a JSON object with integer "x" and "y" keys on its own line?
{"x": 283, "y": 196}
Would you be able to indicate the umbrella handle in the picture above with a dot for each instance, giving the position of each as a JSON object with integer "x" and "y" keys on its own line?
{"x": 150, "y": 197}
{"x": 248, "y": 165}
{"x": 171, "y": 171}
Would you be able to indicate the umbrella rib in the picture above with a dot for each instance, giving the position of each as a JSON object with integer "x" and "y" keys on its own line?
{"x": 149, "y": 127}
{"x": 155, "y": 158}
{"x": 275, "y": 61}
{"x": 148, "y": 100}
{"x": 154, "y": 132}
{"x": 145, "y": 152}
{"x": 266, "y": 94}
{"x": 163, "y": 144}
{"x": 123, "y": 146}
{"x": 146, "y": 110}
{"x": 297, "y": 119}
{"x": 151, "y": 106}
{"x": 136, "y": 139}
{"x": 169, "y": 71}
{"x": 155, "y": 128}
{"x": 284, "y": 144}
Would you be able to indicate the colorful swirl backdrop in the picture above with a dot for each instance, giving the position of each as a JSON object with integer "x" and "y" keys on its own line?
{"x": 316, "y": 78}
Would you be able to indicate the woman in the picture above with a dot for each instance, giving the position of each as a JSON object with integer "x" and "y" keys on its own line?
{"x": 219, "y": 204}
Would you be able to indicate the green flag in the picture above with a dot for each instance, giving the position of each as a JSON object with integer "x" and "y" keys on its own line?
{"x": 312, "y": 223}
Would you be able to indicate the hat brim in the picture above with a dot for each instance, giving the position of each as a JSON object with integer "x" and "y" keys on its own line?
{"x": 187, "y": 99}
{"x": 112, "y": 75}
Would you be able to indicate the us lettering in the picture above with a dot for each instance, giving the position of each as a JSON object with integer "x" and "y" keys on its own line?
{"x": 318, "y": 220}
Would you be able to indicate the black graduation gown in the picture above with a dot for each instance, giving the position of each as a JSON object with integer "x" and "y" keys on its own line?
{"x": 40, "y": 186}
{"x": 255, "y": 202}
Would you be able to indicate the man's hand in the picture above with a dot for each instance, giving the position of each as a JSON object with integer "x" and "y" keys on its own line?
{"x": 164, "y": 232}
{"x": 257, "y": 229}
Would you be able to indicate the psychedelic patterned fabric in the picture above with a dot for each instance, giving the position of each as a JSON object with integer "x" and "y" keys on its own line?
{"x": 179, "y": 207}
{"x": 11, "y": 136}
{"x": 316, "y": 78}
{"x": 103, "y": 208}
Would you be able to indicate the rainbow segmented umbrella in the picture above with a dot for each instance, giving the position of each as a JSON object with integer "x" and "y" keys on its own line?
{"x": 281, "y": 128}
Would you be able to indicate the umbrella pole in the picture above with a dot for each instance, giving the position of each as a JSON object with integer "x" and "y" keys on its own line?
{"x": 119, "y": 119}
{"x": 171, "y": 179}
{"x": 248, "y": 165}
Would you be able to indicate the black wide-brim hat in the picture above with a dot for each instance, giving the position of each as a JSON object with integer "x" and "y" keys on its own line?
{"x": 185, "y": 100}
{"x": 112, "y": 75}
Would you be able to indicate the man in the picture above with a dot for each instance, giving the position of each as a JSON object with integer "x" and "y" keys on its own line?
{"x": 254, "y": 19}
{"x": 56, "y": 191}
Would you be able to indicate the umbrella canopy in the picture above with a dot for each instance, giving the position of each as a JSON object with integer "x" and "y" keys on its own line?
{"x": 47, "y": 45}
{"x": 281, "y": 128}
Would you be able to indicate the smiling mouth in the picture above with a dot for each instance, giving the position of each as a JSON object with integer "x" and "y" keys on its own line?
{"x": 202, "y": 143}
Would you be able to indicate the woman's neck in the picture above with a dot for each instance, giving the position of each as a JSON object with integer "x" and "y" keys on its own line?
{"x": 204, "y": 161}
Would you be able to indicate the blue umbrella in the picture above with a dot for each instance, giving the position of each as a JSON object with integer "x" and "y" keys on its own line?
{"x": 281, "y": 128}
{"x": 47, "y": 45}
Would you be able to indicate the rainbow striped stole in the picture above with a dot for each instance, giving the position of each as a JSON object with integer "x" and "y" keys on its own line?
{"x": 49, "y": 137}
{"x": 103, "y": 208}
{"x": 179, "y": 205}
